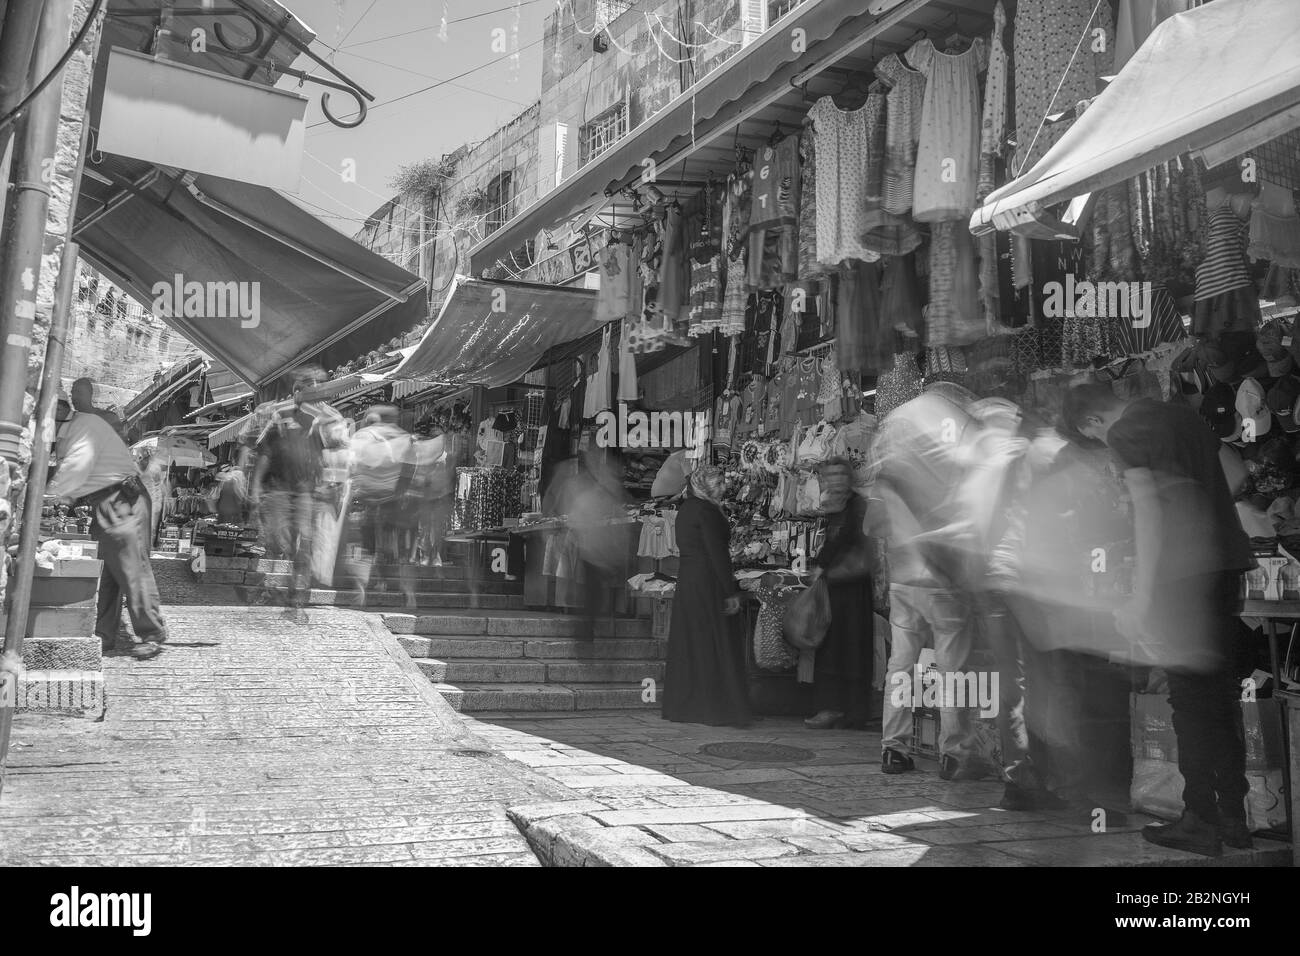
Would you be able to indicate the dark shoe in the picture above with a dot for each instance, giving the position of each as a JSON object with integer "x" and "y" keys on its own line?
{"x": 894, "y": 761}
{"x": 1015, "y": 797}
{"x": 1236, "y": 834}
{"x": 146, "y": 650}
{"x": 824, "y": 720}
{"x": 949, "y": 767}
{"x": 1190, "y": 833}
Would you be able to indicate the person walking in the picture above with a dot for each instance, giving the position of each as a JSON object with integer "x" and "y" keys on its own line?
{"x": 95, "y": 469}
{"x": 83, "y": 400}
{"x": 842, "y": 667}
{"x": 1191, "y": 555}
{"x": 916, "y": 470}
{"x": 289, "y": 487}
{"x": 705, "y": 680}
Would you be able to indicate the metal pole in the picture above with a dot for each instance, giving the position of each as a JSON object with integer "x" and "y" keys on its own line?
{"x": 20, "y": 593}
{"x": 23, "y": 234}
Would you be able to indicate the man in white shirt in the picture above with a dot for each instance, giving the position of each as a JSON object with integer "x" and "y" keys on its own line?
{"x": 96, "y": 469}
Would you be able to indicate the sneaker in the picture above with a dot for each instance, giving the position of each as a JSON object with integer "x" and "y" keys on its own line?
{"x": 146, "y": 650}
{"x": 895, "y": 761}
{"x": 1236, "y": 834}
{"x": 1190, "y": 833}
{"x": 824, "y": 720}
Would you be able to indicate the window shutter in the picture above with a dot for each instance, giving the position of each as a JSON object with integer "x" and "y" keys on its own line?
{"x": 753, "y": 20}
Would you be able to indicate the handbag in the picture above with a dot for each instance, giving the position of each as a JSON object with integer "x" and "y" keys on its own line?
{"x": 807, "y": 618}
{"x": 816, "y": 444}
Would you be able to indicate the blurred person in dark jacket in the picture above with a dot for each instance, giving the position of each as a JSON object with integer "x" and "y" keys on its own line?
{"x": 842, "y": 666}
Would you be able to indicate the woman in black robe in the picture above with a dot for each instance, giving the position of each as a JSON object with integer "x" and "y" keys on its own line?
{"x": 842, "y": 668}
{"x": 705, "y": 681}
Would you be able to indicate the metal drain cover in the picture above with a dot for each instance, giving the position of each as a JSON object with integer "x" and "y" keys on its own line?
{"x": 751, "y": 752}
{"x": 471, "y": 753}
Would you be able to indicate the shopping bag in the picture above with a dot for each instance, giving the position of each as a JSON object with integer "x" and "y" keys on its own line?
{"x": 808, "y": 617}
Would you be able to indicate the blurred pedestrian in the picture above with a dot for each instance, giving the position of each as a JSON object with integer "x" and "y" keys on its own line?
{"x": 705, "y": 681}
{"x": 1191, "y": 555}
{"x": 842, "y": 667}
{"x": 290, "y": 486}
{"x": 382, "y": 468}
{"x": 432, "y": 495}
{"x": 591, "y": 497}
{"x": 83, "y": 395}
{"x": 917, "y": 468}
{"x": 95, "y": 469}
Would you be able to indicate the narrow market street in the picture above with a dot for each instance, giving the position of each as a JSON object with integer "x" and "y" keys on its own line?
{"x": 256, "y": 740}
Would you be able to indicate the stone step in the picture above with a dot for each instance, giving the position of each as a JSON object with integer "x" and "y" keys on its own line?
{"x": 63, "y": 653}
{"x": 426, "y": 600}
{"x": 484, "y": 647}
{"x": 78, "y": 693}
{"x": 475, "y": 697}
{"x": 526, "y": 671}
{"x": 537, "y": 625}
{"x": 237, "y": 576}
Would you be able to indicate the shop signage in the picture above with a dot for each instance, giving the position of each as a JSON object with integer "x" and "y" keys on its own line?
{"x": 172, "y": 114}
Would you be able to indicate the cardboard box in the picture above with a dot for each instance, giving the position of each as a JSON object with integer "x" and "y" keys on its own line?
{"x": 71, "y": 568}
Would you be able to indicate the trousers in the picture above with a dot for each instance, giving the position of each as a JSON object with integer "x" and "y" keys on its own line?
{"x": 921, "y": 617}
{"x": 289, "y": 524}
{"x": 123, "y": 529}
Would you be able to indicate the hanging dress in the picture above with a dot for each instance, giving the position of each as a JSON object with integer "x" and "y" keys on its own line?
{"x": 883, "y": 232}
{"x": 627, "y": 388}
{"x": 1049, "y": 37}
{"x": 903, "y": 106}
{"x": 841, "y": 157}
{"x": 947, "y": 159}
{"x": 1225, "y": 298}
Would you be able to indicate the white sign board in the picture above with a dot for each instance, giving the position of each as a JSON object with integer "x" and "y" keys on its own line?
{"x": 172, "y": 114}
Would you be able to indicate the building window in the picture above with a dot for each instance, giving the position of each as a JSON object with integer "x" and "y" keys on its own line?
{"x": 776, "y": 9}
{"x": 607, "y": 11}
{"x": 500, "y": 201}
{"x": 604, "y": 131}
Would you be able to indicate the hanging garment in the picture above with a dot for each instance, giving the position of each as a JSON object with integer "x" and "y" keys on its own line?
{"x": 904, "y": 104}
{"x": 598, "y": 397}
{"x": 613, "y": 300}
{"x": 1225, "y": 294}
{"x": 863, "y": 334}
{"x": 954, "y": 316}
{"x": 993, "y": 134}
{"x": 774, "y": 216}
{"x": 1137, "y": 19}
{"x": 900, "y": 296}
{"x": 627, "y": 385}
{"x": 726, "y": 411}
{"x": 656, "y": 538}
{"x": 841, "y": 156}
{"x": 947, "y": 159}
{"x": 674, "y": 274}
{"x": 883, "y": 232}
{"x": 1275, "y": 227}
{"x": 1058, "y": 62}
{"x": 808, "y": 265}
{"x": 751, "y": 408}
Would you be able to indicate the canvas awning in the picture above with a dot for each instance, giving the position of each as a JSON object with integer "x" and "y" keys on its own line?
{"x": 175, "y": 378}
{"x": 492, "y": 333}
{"x": 1215, "y": 81}
{"x": 321, "y": 297}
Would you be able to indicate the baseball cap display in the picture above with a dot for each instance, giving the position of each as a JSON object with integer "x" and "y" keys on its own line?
{"x": 1217, "y": 409}
{"x": 1282, "y": 400}
{"x": 1255, "y": 418}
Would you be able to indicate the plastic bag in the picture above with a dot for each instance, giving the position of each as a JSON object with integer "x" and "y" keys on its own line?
{"x": 808, "y": 617}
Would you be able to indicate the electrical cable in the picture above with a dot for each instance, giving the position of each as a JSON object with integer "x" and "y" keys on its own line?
{"x": 476, "y": 16}
{"x": 14, "y": 113}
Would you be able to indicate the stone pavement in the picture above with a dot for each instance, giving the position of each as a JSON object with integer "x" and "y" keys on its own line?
{"x": 254, "y": 740}
{"x": 654, "y": 798}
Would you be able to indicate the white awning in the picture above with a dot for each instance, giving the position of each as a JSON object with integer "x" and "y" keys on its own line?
{"x": 1215, "y": 81}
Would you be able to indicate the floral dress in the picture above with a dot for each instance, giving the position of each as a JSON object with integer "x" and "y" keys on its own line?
{"x": 842, "y": 159}
{"x": 1048, "y": 34}
{"x": 947, "y": 159}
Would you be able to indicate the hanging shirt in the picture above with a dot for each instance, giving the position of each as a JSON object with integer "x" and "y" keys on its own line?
{"x": 613, "y": 301}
